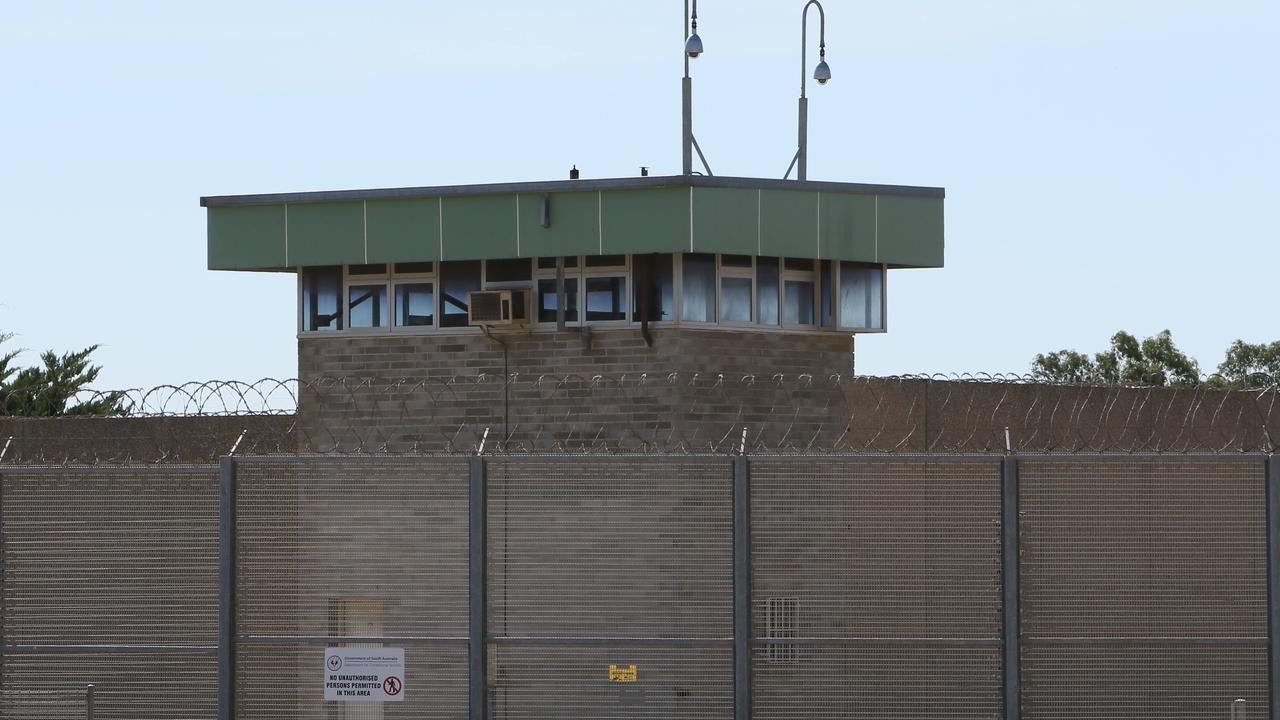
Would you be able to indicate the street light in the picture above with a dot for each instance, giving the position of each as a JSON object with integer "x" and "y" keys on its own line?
{"x": 822, "y": 73}
{"x": 693, "y": 46}
{"x": 692, "y": 49}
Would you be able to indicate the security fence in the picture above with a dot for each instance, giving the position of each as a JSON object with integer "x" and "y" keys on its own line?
{"x": 641, "y": 413}
{"x": 739, "y": 586}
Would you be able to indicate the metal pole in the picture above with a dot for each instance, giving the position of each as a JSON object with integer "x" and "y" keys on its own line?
{"x": 226, "y": 588}
{"x": 478, "y": 662}
{"x": 687, "y": 125}
{"x": 4, "y": 576}
{"x": 1009, "y": 556}
{"x": 686, "y": 104}
{"x": 802, "y": 155}
{"x": 1273, "y": 584}
{"x": 741, "y": 588}
{"x": 88, "y": 702}
{"x": 560, "y": 293}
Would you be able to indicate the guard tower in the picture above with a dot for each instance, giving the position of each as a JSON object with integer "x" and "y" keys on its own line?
{"x": 649, "y": 274}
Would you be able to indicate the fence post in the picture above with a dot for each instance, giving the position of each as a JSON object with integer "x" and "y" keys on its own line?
{"x": 226, "y": 588}
{"x": 1273, "y": 584}
{"x": 741, "y": 588}
{"x": 4, "y": 578}
{"x": 88, "y": 702}
{"x": 476, "y": 649}
{"x": 1009, "y": 553}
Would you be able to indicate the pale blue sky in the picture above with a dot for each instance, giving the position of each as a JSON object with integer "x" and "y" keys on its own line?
{"x": 1108, "y": 163}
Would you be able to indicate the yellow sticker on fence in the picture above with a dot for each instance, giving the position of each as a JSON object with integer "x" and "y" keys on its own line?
{"x": 622, "y": 673}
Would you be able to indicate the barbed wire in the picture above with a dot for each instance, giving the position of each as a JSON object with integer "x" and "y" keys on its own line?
{"x": 666, "y": 413}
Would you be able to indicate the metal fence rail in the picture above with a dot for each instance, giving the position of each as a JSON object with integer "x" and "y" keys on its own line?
{"x": 806, "y": 586}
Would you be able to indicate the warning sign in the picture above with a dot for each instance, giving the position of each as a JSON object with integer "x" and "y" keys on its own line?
{"x": 622, "y": 673}
{"x": 364, "y": 674}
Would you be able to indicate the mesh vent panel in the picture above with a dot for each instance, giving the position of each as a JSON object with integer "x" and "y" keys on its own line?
{"x": 540, "y": 683}
{"x": 352, "y": 549}
{"x": 286, "y": 682}
{"x": 610, "y": 548}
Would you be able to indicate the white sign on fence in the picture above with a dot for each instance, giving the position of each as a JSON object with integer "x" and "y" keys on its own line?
{"x": 364, "y": 674}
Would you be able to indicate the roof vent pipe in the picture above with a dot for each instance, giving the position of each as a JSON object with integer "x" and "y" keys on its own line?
{"x": 573, "y": 174}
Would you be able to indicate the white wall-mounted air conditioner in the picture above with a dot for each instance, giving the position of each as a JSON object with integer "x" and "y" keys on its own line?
{"x": 499, "y": 307}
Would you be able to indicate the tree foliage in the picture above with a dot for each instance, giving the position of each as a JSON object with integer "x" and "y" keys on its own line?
{"x": 1157, "y": 361}
{"x": 55, "y": 386}
{"x": 1250, "y": 365}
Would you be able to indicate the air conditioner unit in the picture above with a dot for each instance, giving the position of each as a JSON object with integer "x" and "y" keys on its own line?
{"x": 499, "y": 307}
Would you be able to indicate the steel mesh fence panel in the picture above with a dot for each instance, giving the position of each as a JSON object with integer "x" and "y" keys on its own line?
{"x": 607, "y": 560}
{"x": 127, "y": 685}
{"x": 374, "y": 549}
{"x": 111, "y": 579}
{"x": 532, "y": 682}
{"x": 286, "y": 682}
{"x": 876, "y": 566}
{"x": 356, "y": 549}
{"x": 877, "y": 682}
{"x": 1144, "y": 590}
{"x": 600, "y": 547}
{"x": 102, "y": 557}
{"x": 1151, "y": 682}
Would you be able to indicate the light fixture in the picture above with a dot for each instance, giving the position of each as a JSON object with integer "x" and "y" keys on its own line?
{"x": 822, "y": 73}
{"x": 693, "y": 46}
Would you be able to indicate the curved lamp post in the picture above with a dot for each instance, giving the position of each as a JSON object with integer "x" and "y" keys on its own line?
{"x": 692, "y": 49}
{"x": 822, "y": 73}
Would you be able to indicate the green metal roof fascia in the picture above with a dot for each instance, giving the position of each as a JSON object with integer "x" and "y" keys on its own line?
{"x": 563, "y": 186}
{"x": 795, "y": 219}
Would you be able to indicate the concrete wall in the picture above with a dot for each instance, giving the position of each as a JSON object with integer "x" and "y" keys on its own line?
{"x": 609, "y": 352}
{"x": 566, "y": 390}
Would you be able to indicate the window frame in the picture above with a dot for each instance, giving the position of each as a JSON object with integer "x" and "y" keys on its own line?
{"x": 733, "y": 271}
{"x": 349, "y": 281}
{"x": 605, "y": 271}
{"x": 582, "y": 274}
{"x": 675, "y": 290}
{"x": 395, "y": 279}
{"x": 570, "y": 273}
{"x": 884, "y": 299}
{"x": 813, "y": 277}
{"x": 302, "y": 300}
{"x": 679, "y": 294}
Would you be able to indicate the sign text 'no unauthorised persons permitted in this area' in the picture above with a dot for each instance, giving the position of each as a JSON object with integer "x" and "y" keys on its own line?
{"x": 363, "y": 674}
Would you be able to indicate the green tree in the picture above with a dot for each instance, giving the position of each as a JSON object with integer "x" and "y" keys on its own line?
{"x": 57, "y": 386}
{"x": 1153, "y": 361}
{"x": 1250, "y": 365}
